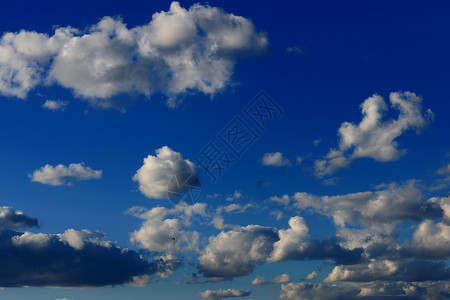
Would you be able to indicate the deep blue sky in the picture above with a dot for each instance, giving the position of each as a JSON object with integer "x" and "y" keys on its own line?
{"x": 345, "y": 52}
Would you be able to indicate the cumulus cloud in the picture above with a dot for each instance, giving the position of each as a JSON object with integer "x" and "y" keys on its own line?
{"x": 220, "y": 294}
{"x": 430, "y": 240}
{"x": 311, "y": 276}
{"x": 71, "y": 259}
{"x": 290, "y": 240}
{"x": 158, "y": 172}
{"x": 374, "y": 137}
{"x": 62, "y": 175}
{"x": 55, "y": 105}
{"x": 178, "y": 51}
{"x": 159, "y": 233}
{"x": 275, "y": 159}
{"x": 236, "y": 252}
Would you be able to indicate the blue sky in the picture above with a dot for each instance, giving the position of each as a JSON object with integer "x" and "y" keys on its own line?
{"x": 343, "y": 193}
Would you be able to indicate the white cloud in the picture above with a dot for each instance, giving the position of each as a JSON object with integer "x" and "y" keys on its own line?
{"x": 158, "y": 171}
{"x": 318, "y": 291}
{"x": 290, "y": 240}
{"x": 161, "y": 234}
{"x": 384, "y": 207}
{"x": 62, "y": 175}
{"x": 283, "y": 199}
{"x": 236, "y": 252}
{"x": 236, "y": 195}
{"x": 374, "y": 137}
{"x": 55, "y": 105}
{"x": 375, "y": 270}
{"x": 178, "y": 51}
{"x": 259, "y": 280}
{"x": 311, "y": 276}
{"x": 430, "y": 240}
{"x": 220, "y": 294}
{"x": 275, "y": 159}
{"x": 283, "y": 278}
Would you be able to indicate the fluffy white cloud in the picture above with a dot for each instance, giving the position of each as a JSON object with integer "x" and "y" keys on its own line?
{"x": 374, "y": 137}
{"x": 430, "y": 240}
{"x": 236, "y": 252}
{"x": 178, "y": 51}
{"x": 290, "y": 240}
{"x": 55, "y": 105}
{"x": 62, "y": 175}
{"x": 375, "y": 270}
{"x": 275, "y": 159}
{"x": 220, "y": 294}
{"x": 158, "y": 172}
{"x": 161, "y": 234}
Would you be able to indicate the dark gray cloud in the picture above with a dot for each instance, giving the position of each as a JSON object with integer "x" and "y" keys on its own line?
{"x": 71, "y": 259}
{"x": 10, "y": 218}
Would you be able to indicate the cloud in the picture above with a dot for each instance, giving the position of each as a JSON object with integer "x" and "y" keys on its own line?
{"x": 10, "y": 218}
{"x": 282, "y": 200}
{"x": 295, "y": 50}
{"x": 444, "y": 170}
{"x": 311, "y": 276}
{"x": 283, "y": 278}
{"x": 318, "y": 291}
{"x": 374, "y": 137}
{"x": 55, "y": 105}
{"x": 220, "y": 294}
{"x": 177, "y": 52}
{"x": 377, "y": 290}
{"x": 430, "y": 240}
{"x": 259, "y": 280}
{"x": 158, "y": 172}
{"x": 275, "y": 159}
{"x": 70, "y": 259}
{"x": 290, "y": 240}
{"x": 161, "y": 234}
{"x": 62, "y": 175}
{"x": 236, "y": 252}
{"x": 390, "y": 205}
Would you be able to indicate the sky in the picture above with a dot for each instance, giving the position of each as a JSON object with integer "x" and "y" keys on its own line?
{"x": 224, "y": 149}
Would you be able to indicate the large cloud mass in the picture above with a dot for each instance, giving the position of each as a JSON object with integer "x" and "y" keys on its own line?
{"x": 70, "y": 259}
{"x": 178, "y": 51}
